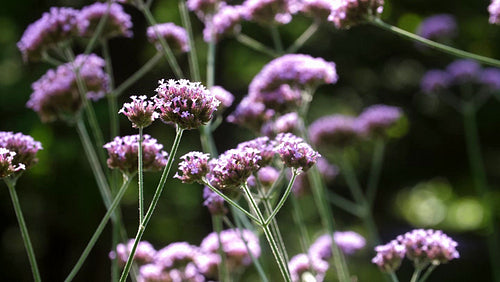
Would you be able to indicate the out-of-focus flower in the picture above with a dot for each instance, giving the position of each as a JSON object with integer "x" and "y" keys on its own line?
{"x": 177, "y": 261}
{"x": 389, "y": 256}
{"x": 203, "y": 8}
{"x": 286, "y": 123}
{"x": 302, "y": 263}
{"x": 295, "y": 152}
{"x": 213, "y": 202}
{"x": 153, "y": 273}
{"x": 490, "y": 77}
{"x": 123, "y": 153}
{"x": 24, "y": 147}
{"x": 462, "y": 71}
{"x": 225, "y": 22}
{"x": 226, "y": 99}
{"x": 347, "y": 13}
{"x": 428, "y": 246}
{"x": 268, "y": 12}
{"x": 118, "y": 23}
{"x": 348, "y": 242}
{"x": 438, "y": 27}
{"x": 434, "y": 81}
{"x": 375, "y": 120}
{"x": 319, "y": 9}
{"x": 56, "y": 26}
{"x": 140, "y": 112}
{"x": 7, "y": 165}
{"x": 56, "y": 95}
{"x": 175, "y": 37}
{"x": 494, "y": 10}
{"x": 144, "y": 253}
{"x": 267, "y": 176}
{"x": 251, "y": 114}
{"x": 233, "y": 167}
{"x": 186, "y": 104}
{"x": 194, "y": 167}
{"x": 334, "y": 132}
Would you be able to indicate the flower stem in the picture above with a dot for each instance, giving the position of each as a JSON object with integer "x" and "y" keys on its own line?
{"x": 140, "y": 177}
{"x": 303, "y": 37}
{"x": 100, "y": 228}
{"x": 112, "y": 103}
{"x": 151, "y": 63}
{"x": 275, "y": 34}
{"x": 231, "y": 202}
{"x": 283, "y": 198}
{"x": 305, "y": 240}
{"x": 416, "y": 273}
{"x": 154, "y": 202}
{"x": 378, "y": 158}
{"x": 393, "y": 276}
{"x": 169, "y": 55}
{"x": 256, "y": 45}
{"x": 345, "y": 204}
{"x": 99, "y": 29}
{"x": 428, "y": 272}
{"x": 269, "y": 236}
{"x": 438, "y": 46}
{"x": 217, "y": 226}
{"x": 192, "y": 57}
{"x": 24, "y": 230}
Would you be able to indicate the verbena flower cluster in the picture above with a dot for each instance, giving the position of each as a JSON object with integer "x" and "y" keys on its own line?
{"x": 56, "y": 94}
{"x": 140, "y": 112}
{"x": 223, "y": 23}
{"x": 347, "y": 13}
{"x": 194, "y": 167}
{"x": 225, "y": 97}
{"x": 61, "y": 24}
{"x": 423, "y": 247}
{"x": 24, "y": 147}
{"x": 123, "y": 153}
{"x": 494, "y": 10}
{"x": 441, "y": 26}
{"x": 7, "y": 165}
{"x": 458, "y": 73}
{"x": 175, "y": 36}
{"x": 186, "y": 104}
{"x": 296, "y": 153}
{"x": 181, "y": 261}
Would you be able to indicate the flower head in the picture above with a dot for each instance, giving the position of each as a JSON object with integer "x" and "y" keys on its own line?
{"x": 337, "y": 131}
{"x": 302, "y": 263}
{"x": 193, "y": 167}
{"x": 225, "y": 22}
{"x": 233, "y": 167}
{"x": 462, "y": 71}
{"x": 144, "y": 253}
{"x": 389, "y": 256}
{"x": 435, "y": 81}
{"x": 490, "y": 77}
{"x": 437, "y": 27}
{"x": 187, "y": 104}
{"x": 268, "y": 11}
{"x": 428, "y": 246}
{"x": 123, "y": 153}
{"x": 176, "y": 255}
{"x": 348, "y": 242}
{"x": 7, "y": 165}
{"x": 295, "y": 152}
{"x": 319, "y": 9}
{"x": 286, "y": 123}
{"x": 23, "y": 146}
{"x": 140, "y": 112}
{"x": 376, "y": 119}
{"x": 56, "y": 95}
{"x": 347, "y": 13}
{"x": 118, "y": 23}
{"x": 226, "y": 99}
{"x": 267, "y": 176}
{"x": 175, "y": 36}
{"x": 250, "y": 114}
{"x": 203, "y": 8}
{"x": 213, "y": 202}
{"x": 55, "y": 26}
{"x": 264, "y": 146}
{"x": 494, "y": 10}
{"x": 153, "y": 273}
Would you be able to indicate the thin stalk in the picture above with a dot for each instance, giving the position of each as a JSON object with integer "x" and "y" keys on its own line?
{"x": 24, "y": 230}
{"x": 140, "y": 177}
{"x": 154, "y": 202}
{"x": 211, "y": 64}
{"x": 150, "y": 64}
{"x": 217, "y": 226}
{"x": 276, "y": 184}
{"x": 231, "y": 202}
{"x": 283, "y": 198}
{"x": 275, "y": 34}
{"x": 393, "y": 276}
{"x": 378, "y": 159}
{"x": 267, "y": 232}
{"x": 169, "y": 55}
{"x": 47, "y": 58}
{"x": 345, "y": 204}
{"x": 112, "y": 102}
{"x": 416, "y": 273}
{"x": 305, "y": 240}
{"x": 194, "y": 69}
{"x": 100, "y": 228}
{"x": 99, "y": 29}
{"x": 256, "y": 45}
{"x": 299, "y": 42}
{"x": 115, "y": 239}
{"x": 428, "y": 272}
{"x": 438, "y": 46}
{"x": 480, "y": 182}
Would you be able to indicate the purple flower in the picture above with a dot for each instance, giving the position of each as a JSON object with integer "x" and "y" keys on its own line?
{"x": 213, "y": 202}
{"x": 118, "y": 23}
{"x": 250, "y": 114}
{"x": 236, "y": 244}
{"x": 55, "y": 94}
{"x": 428, "y": 246}
{"x": 334, "y": 131}
{"x": 226, "y": 99}
{"x": 207, "y": 264}
{"x": 144, "y": 253}
{"x": 347, "y": 13}
{"x": 24, "y": 147}
{"x": 175, "y": 36}
{"x": 494, "y": 10}
{"x": 225, "y": 22}
{"x": 140, "y": 112}
{"x": 462, "y": 71}
{"x": 153, "y": 273}
{"x": 187, "y": 104}
{"x": 267, "y": 176}
{"x": 296, "y": 153}
{"x": 301, "y": 263}
{"x": 435, "y": 81}
{"x": 7, "y": 165}
{"x": 490, "y": 77}
{"x": 438, "y": 26}
{"x": 286, "y": 123}
{"x": 264, "y": 146}
{"x": 203, "y": 8}
{"x": 194, "y": 167}
{"x": 389, "y": 256}
{"x": 283, "y": 99}
{"x": 56, "y": 26}
{"x": 176, "y": 255}
{"x": 233, "y": 167}
{"x": 376, "y": 119}
{"x": 268, "y": 11}
{"x": 319, "y": 9}
{"x": 123, "y": 154}
{"x": 348, "y": 242}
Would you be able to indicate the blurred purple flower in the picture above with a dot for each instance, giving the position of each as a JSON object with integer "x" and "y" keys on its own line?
{"x": 268, "y": 12}
{"x": 302, "y": 263}
{"x": 490, "y": 77}
{"x": 375, "y": 120}
{"x": 334, "y": 131}
{"x": 118, "y": 23}
{"x": 226, "y": 99}
{"x": 462, "y": 71}
{"x": 389, "y": 256}
{"x": 251, "y": 114}
{"x": 494, "y": 10}
{"x": 24, "y": 147}
{"x": 434, "y": 81}
{"x": 347, "y": 13}
{"x": 203, "y": 8}
{"x": 175, "y": 37}
{"x": 225, "y": 22}
{"x": 267, "y": 176}
{"x": 144, "y": 253}
{"x": 286, "y": 123}
{"x": 319, "y": 9}
{"x": 213, "y": 202}
{"x": 438, "y": 27}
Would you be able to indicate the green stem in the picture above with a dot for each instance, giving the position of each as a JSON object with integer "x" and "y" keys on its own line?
{"x": 305, "y": 240}
{"x": 154, "y": 202}
{"x": 393, "y": 276}
{"x": 438, "y": 46}
{"x": 193, "y": 59}
{"x": 480, "y": 183}
{"x": 416, "y": 273}
{"x": 283, "y": 198}
{"x": 345, "y": 204}
{"x": 115, "y": 239}
{"x": 169, "y": 55}
{"x": 256, "y": 45}
{"x": 47, "y": 58}
{"x": 217, "y": 226}
{"x": 140, "y": 177}
{"x": 24, "y": 230}
{"x": 428, "y": 272}
{"x": 303, "y": 37}
{"x": 112, "y": 102}
{"x": 150, "y": 64}
{"x": 100, "y": 228}
{"x": 99, "y": 29}
{"x": 211, "y": 64}
{"x": 275, "y": 34}
{"x": 378, "y": 158}
{"x": 231, "y": 202}
{"x": 269, "y": 236}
